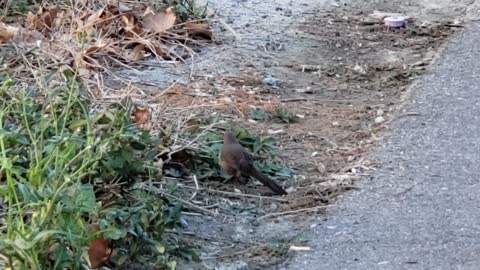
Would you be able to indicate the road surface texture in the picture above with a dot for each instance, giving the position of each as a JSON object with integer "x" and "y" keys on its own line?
{"x": 422, "y": 209}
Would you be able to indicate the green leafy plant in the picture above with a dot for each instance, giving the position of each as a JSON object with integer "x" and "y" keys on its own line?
{"x": 61, "y": 164}
{"x": 140, "y": 231}
{"x": 284, "y": 115}
{"x": 259, "y": 115}
{"x": 189, "y": 9}
{"x": 281, "y": 114}
{"x": 262, "y": 148}
{"x": 9, "y": 9}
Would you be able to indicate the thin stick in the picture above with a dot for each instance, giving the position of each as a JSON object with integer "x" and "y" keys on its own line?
{"x": 185, "y": 202}
{"x": 235, "y": 194}
{"x": 167, "y": 89}
{"x": 247, "y": 195}
{"x": 310, "y": 209}
{"x": 197, "y": 188}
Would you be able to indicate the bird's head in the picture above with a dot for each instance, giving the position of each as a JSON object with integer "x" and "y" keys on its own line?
{"x": 229, "y": 138}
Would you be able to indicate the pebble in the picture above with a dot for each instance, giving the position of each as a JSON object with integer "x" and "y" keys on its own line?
{"x": 379, "y": 120}
{"x": 271, "y": 81}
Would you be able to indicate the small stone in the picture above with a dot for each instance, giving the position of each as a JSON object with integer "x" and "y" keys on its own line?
{"x": 335, "y": 123}
{"x": 379, "y": 119}
{"x": 359, "y": 69}
{"x": 271, "y": 81}
{"x": 380, "y": 112}
{"x": 273, "y": 207}
{"x": 307, "y": 90}
{"x": 321, "y": 168}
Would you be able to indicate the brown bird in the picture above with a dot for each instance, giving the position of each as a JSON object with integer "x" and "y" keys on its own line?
{"x": 237, "y": 162}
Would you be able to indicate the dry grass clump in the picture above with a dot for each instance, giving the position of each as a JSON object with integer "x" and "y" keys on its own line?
{"x": 93, "y": 37}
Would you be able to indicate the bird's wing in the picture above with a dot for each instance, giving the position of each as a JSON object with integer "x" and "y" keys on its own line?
{"x": 246, "y": 162}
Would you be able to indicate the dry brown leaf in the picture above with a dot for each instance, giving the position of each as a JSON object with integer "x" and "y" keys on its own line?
{"x": 87, "y": 58}
{"x": 130, "y": 26}
{"x": 159, "y": 21}
{"x": 44, "y": 19}
{"x": 18, "y": 34}
{"x": 95, "y": 48}
{"x": 99, "y": 249}
{"x": 97, "y": 20}
{"x": 7, "y": 32}
{"x": 199, "y": 30}
{"x": 154, "y": 48}
{"x": 141, "y": 116}
{"x": 138, "y": 53}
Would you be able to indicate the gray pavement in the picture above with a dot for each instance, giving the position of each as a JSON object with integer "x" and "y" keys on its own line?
{"x": 422, "y": 209}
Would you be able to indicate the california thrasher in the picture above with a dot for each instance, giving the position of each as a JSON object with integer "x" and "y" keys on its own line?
{"x": 237, "y": 162}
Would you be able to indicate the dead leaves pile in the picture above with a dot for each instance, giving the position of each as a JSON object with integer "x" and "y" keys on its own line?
{"x": 90, "y": 37}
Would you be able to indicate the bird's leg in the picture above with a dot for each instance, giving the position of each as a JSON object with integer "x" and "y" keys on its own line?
{"x": 243, "y": 180}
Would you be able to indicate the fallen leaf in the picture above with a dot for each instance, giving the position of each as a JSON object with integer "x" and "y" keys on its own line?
{"x": 159, "y": 21}
{"x": 199, "y": 30}
{"x": 141, "y": 116}
{"x": 154, "y": 48}
{"x": 44, "y": 19}
{"x": 130, "y": 25}
{"x": 99, "y": 249}
{"x": 7, "y": 32}
{"x": 97, "y": 20}
{"x": 95, "y": 48}
{"x": 138, "y": 52}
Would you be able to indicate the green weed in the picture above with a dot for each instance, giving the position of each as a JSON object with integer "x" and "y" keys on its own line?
{"x": 263, "y": 148}
{"x": 60, "y": 164}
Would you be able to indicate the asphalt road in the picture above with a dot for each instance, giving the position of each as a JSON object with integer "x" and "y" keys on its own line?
{"x": 422, "y": 209}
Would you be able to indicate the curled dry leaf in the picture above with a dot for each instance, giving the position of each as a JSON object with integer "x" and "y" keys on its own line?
{"x": 99, "y": 249}
{"x": 141, "y": 116}
{"x": 154, "y": 48}
{"x": 95, "y": 48}
{"x": 138, "y": 53}
{"x": 159, "y": 21}
{"x": 7, "y": 32}
{"x": 18, "y": 34}
{"x": 199, "y": 30}
{"x": 44, "y": 19}
{"x": 130, "y": 25}
{"x": 85, "y": 59}
{"x": 97, "y": 20}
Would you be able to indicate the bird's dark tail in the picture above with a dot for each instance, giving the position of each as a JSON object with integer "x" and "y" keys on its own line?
{"x": 269, "y": 183}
